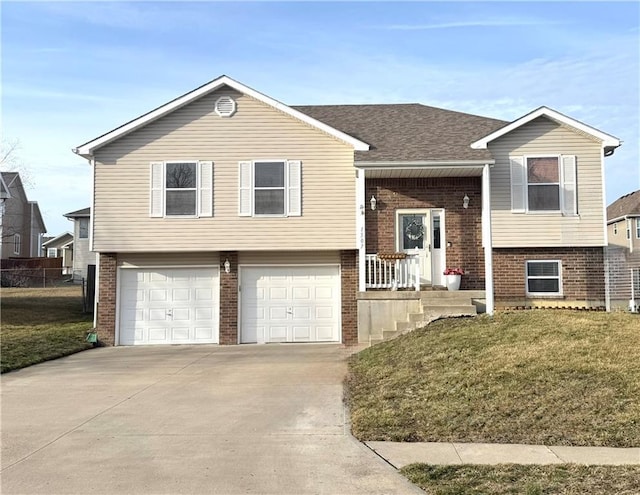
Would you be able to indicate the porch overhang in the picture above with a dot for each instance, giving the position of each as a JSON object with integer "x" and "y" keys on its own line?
{"x": 423, "y": 169}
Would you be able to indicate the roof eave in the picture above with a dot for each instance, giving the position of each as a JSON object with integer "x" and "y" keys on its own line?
{"x": 423, "y": 163}
{"x": 608, "y": 141}
{"x": 87, "y": 149}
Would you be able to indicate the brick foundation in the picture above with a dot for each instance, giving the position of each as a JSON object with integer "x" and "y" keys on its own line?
{"x": 463, "y": 227}
{"x": 582, "y": 277}
{"x": 229, "y": 299}
{"x": 349, "y": 292}
{"x": 106, "y": 325}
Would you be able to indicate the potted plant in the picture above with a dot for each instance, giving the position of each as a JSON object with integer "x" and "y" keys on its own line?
{"x": 453, "y": 276}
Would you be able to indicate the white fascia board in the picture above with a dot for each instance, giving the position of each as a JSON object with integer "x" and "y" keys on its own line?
{"x": 86, "y": 150}
{"x": 57, "y": 238}
{"x": 623, "y": 217}
{"x": 424, "y": 164}
{"x": 607, "y": 139}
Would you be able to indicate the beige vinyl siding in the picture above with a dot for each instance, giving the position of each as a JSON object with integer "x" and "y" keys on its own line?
{"x": 543, "y": 136}
{"x": 288, "y": 257}
{"x": 141, "y": 260}
{"x": 195, "y": 132}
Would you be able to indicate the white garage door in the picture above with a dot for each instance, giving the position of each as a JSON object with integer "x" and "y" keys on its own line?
{"x": 169, "y": 306}
{"x": 290, "y": 304}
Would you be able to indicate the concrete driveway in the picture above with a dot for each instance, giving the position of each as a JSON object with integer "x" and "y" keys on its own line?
{"x": 186, "y": 419}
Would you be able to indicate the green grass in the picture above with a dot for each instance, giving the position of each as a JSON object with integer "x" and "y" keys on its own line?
{"x": 41, "y": 324}
{"x": 508, "y": 479}
{"x": 535, "y": 377}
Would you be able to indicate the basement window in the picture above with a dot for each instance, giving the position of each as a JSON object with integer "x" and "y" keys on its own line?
{"x": 544, "y": 278}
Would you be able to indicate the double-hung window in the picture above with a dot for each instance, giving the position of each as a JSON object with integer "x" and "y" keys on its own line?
{"x": 270, "y": 188}
{"x": 637, "y": 228}
{"x": 52, "y": 253}
{"x": 83, "y": 228}
{"x": 181, "y": 189}
{"x": 17, "y": 243}
{"x": 544, "y": 278}
{"x": 615, "y": 228}
{"x": 544, "y": 183}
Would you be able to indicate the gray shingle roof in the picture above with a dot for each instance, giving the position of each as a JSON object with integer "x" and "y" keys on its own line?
{"x": 629, "y": 204}
{"x": 84, "y": 212}
{"x": 408, "y": 131}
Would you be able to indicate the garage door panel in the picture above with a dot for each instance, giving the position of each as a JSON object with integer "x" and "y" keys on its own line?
{"x": 278, "y": 313}
{"x": 180, "y": 334}
{"x": 284, "y": 304}
{"x": 302, "y": 333}
{"x": 167, "y": 306}
{"x": 324, "y": 312}
{"x": 154, "y": 315}
{"x": 324, "y": 333}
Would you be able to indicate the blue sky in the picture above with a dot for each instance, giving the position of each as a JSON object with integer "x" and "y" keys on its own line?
{"x": 71, "y": 71}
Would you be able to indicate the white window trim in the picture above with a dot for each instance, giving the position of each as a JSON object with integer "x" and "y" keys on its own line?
{"x": 17, "y": 243}
{"x": 80, "y": 228}
{"x": 543, "y": 294}
{"x": 55, "y": 252}
{"x": 285, "y": 171}
{"x": 637, "y": 227}
{"x": 292, "y": 188}
{"x": 560, "y": 184}
{"x": 165, "y": 189}
{"x": 200, "y": 189}
{"x": 615, "y": 228}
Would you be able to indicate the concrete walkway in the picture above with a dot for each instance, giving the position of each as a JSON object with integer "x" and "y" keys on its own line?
{"x": 400, "y": 454}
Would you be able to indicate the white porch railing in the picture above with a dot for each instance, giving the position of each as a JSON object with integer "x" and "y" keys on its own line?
{"x": 392, "y": 273}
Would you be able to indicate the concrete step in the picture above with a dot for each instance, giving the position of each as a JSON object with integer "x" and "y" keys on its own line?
{"x": 452, "y": 294}
{"x": 449, "y": 310}
{"x": 387, "y": 335}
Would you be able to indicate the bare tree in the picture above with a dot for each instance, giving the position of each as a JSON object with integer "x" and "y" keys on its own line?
{"x": 11, "y": 161}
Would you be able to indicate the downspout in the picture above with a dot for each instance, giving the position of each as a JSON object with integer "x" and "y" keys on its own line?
{"x": 486, "y": 239}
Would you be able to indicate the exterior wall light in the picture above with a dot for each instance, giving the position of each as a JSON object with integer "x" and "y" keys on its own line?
{"x": 465, "y": 202}
{"x": 373, "y": 202}
{"x": 227, "y": 266}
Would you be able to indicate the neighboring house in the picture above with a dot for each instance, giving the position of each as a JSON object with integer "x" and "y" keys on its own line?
{"x": 623, "y": 254}
{"x": 21, "y": 224}
{"x": 82, "y": 255}
{"x": 61, "y": 246}
{"x": 226, "y": 216}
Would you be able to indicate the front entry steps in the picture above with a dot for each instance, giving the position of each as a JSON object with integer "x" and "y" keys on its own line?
{"x": 436, "y": 304}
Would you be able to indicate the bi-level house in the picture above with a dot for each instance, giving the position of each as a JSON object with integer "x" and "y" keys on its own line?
{"x": 21, "y": 223}
{"x": 225, "y": 216}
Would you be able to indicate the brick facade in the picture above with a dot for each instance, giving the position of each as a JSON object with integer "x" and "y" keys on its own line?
{"x": 349, "y": 292}
{"x": 463, "y": 227}
{"x": 106, "y": 325}
{"x": 229, "y": 299}
{"x": 582, "y": 277}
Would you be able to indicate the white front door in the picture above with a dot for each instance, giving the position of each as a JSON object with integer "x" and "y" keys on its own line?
{"x": 290, "y": 304}
{"x": 168, "y": 306}
{"x": 412, "y": 233}
{"x": 422, "y": 232}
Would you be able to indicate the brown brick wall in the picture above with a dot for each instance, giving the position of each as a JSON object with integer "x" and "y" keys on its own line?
{"x": 463, "y": 228}
{"x": 349, "y": 291}
{"x": 582, "y": 275}
{"x": 229, "y": 299}
{"x": 106, "y": 326}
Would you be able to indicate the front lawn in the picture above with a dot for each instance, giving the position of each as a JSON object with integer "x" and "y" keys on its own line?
{"x": 41, "y": 324}
{"x": 512, "y": 479}
{"x": 546, "y": 377}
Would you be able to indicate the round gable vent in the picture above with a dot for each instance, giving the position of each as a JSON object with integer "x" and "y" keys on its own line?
{"x": 225, "y": 106}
